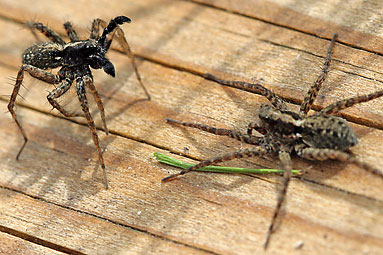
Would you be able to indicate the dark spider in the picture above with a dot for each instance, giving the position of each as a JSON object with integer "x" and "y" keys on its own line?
{"x": 316, "y": 137}
{"x": 75, "y": 59}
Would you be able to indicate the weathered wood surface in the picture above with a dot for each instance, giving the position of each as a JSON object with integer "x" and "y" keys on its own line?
{"x": 53, "y": 199}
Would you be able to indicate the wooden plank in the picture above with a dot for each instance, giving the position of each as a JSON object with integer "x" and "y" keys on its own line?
{"x": 75, "y": 232}
{"x": 10, "y": 244}
{"x": 201, "y": 213}
{"x": 358, "y": 24}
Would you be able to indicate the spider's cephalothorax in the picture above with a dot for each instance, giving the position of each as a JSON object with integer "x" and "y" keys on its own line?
{"x": 75, "y": 59}
{"x": 320, "y": 136}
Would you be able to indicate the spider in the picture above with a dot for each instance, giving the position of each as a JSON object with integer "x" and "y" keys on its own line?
{"x": 75, "y": 59}
{"x": 319, "y": 136}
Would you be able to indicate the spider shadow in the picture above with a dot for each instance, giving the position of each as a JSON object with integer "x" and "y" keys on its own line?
{"x": 315, "y": 180}
{"x": 142, "y": 13}
{"x": 67, "y": 152}
{"x": 110, "y": 93}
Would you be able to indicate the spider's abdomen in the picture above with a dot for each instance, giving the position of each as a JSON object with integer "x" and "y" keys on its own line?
{"x": 322, "y": 131}
{"x": 317, "y": 131}
{"x": 44, "y": 56}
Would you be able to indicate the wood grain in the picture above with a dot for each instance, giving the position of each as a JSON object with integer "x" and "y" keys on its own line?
{"x": 55, "y": 191}
{"x": 10, "y": 244}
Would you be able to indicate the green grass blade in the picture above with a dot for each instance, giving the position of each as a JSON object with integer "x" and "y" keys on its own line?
{"x": 218, "y": 169}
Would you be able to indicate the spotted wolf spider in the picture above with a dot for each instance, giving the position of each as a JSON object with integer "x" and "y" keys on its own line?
{"x": 319, "y": 136}
{"x": 75, "y": 59}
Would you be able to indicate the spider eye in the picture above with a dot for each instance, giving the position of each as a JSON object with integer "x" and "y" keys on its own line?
{"x": 88, "y": 50}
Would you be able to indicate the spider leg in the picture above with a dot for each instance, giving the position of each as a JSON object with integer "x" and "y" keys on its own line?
{"x": 100, "y": 105}
{"x": 71, "y": 32}
{"x": 256, "y": 151}
{"x": 343, "y": 104}
{"x": 58, "y": 92}
{"x": 313, "y": 91}
{"x": 95, "y": 30}
{"x": 325, "y": 154}
{"x": 80, "y": 87}
{"x": 37, "y": 73}
{"x": 113, "y": 28}
{"x": 278, "y": 102}
{"x": 49, "y": 33}
{"x": 218, "y": 131}
{"x": 126, "y": 48}
{"x": 284, "y": 156}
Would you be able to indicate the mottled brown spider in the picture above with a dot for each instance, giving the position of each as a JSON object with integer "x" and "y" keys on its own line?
{"x": 319, "y": 136}
{"x": 75, "y": 59}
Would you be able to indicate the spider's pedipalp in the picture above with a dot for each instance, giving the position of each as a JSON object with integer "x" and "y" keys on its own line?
{"x": 255, "y": 126}
{"x": 109, "y": 68}
{"x": 113, "y": 24}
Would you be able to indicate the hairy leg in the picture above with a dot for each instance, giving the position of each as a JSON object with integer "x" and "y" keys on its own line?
{"x": 218, "y": 131}
{"x": 278, "y": 102}
{"x": 71, "y": 32}
{"x": 284, "y": 156}
{"x": 58, "y": 92}
{"x": 343, "y": 104}
{"x": 325, "y": 154}
{"x": 95, "y": 30}
{"x": 80, "y": 87}
{"x": 313, "y": 91}
{"x": 37, "y": 73}
{"x": 49, "y": 33}
{"x": 100, "y": 105}
{"x": 256, "y": 151}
